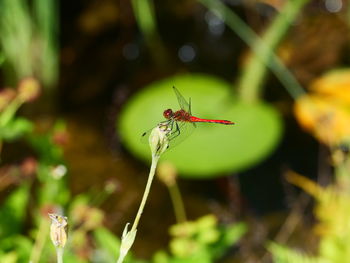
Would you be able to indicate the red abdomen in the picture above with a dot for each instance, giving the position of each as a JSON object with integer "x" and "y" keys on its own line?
{"x": 225, "y": 122}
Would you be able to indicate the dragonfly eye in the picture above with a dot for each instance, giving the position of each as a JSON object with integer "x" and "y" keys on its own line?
{"x": 168, "y": 113}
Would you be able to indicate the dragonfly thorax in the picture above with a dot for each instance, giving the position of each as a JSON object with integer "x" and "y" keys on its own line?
{"x": 179, "y": 115}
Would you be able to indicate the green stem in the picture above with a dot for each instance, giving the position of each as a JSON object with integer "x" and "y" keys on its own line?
{"x": 159, "y": 143}
{"x": 129, "y": 236}
{"x": 178, "y": 204}
{"x": 59, "y": 252}
{"x": 152, "y": 171}
{"x": 16, "y": 30}
{"x": 146, "y": 20}
{"x": 46, "y": 15}
{"x": 342, "y": 173}
{"x": 120, "y": 259}
{"x": 40, "y": 241}
{"x": 144, "y": 14}
{"x": 255, "y": 70}
{"x": 8, "y": 114}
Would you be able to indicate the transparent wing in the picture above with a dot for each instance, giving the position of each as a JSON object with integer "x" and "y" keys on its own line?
{"x": 182, "y": 101}
{"x": 145, "y": 136}
{"x": 179, "y": 131}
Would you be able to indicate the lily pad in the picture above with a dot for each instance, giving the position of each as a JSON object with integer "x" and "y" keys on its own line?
{"x": 212, "y": 149}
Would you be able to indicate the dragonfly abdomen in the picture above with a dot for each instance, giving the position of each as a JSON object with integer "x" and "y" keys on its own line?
{"x": 225, "y": 122}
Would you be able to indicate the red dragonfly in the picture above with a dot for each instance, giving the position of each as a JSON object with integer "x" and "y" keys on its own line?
{"x": 181, "y": 123}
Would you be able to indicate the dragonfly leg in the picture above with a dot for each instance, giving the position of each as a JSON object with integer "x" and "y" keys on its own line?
{"x": 177, "y": 132}
{"x": 164, "y": 125}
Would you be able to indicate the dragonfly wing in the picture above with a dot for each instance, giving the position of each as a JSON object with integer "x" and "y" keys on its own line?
{"x": 182, "y": 101}
{"x": 145, "y": 136}
{"x": 179, "y": 132}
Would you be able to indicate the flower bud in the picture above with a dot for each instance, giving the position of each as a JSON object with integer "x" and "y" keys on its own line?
{"x": 58, "y": 230}
{"x": 158, "y": 139}
{"x": 128, "y": 238}
{"x": 28, "y": 89}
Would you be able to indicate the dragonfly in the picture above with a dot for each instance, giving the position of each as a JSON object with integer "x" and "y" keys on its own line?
{"x": 181, "y": 123}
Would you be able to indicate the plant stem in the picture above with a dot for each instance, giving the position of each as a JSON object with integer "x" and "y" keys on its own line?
{"x": 152, "y": 171}
{"x": 146, "y": 20}
{"x": 59, "y": 252}
{"x": 8, "y": 114}
{"x": 129, "y": 236}
{"x": 120, "y": 259}
{"x": 40, "y": 240}
{"x": 159, "y": 143}
{"x": 178, "y": 204}
{"x": 342, "y": 173}
{"x": 46, "y": 14}
{"x": 254, "y": 72}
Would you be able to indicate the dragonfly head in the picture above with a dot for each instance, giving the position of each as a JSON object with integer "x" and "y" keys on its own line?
{"x": 168, "y": 113}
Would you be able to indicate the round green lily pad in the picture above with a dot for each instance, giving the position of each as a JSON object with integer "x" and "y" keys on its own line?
{"x": 212, "y": 149}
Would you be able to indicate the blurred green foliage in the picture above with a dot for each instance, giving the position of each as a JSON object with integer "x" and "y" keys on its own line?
{"x": 202, "y": 240}
{"x": 12, "y": 126}
{"x": 332, "y": 211}
{"x": 284, "y": 254}
{"x": 253, "y": 73}
{"x": 29, "y": 40}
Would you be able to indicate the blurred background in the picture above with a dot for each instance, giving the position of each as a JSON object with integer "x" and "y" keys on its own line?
{"x": 81, "y": 81}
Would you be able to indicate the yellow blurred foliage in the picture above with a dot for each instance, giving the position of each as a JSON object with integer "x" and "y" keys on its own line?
{"x": 332, "y": 210}
{"x": 325, "y": 112}
{"x": 335, "y": 85}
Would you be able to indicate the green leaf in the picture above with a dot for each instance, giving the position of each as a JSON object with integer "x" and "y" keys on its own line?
{"x": 206, "y": 222}
{"x": 70, "y": 257}
{"x": 15, "y": 129}
{"x": 108, "y": 243}
{"x": 283, "y": 254}
{"x": 234, "y": 232}
{"x": 49, "y": 152}
{"x": 8, "y": 257}
{"x": 21, "y": 244}
{"x": 213, "y": 149}
{"x": 230, "y": 235}
{"x": 2, "y": 58}
{"x": 13, "y": 211}
{"x": 202, "y": 255}
{"x": 160, "y": 257}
